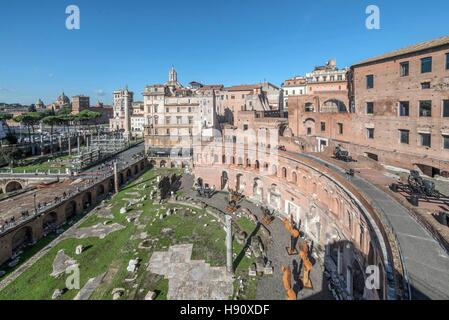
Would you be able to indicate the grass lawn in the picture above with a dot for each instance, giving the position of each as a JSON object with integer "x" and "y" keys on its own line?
{"x": 112, "y": 254}
{"x": 56, "y": 163}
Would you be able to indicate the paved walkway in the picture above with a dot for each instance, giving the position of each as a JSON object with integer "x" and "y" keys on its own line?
{"x": 191, "y": 279}
{"x": 425, "y": 261}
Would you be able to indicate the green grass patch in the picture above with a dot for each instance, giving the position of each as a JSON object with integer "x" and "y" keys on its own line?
{"x": 112, "y": 254}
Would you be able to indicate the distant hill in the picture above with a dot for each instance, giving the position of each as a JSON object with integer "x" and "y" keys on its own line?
{"x": 12, "y": 105}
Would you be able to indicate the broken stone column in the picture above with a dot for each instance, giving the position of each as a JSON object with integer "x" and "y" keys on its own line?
{"x": 116, "y": 182}
{"x": 79, "y": 249}
{"x": 229, "y": 260}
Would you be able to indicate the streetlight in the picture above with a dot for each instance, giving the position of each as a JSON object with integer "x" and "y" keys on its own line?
{"x": 35, "y": 207}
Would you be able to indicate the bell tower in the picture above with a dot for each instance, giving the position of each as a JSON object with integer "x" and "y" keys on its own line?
{"x": 172, "y": 75}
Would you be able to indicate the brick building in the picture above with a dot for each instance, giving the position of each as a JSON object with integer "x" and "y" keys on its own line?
{"x": 396, "y": 110}
{"x": 80, "y": 103}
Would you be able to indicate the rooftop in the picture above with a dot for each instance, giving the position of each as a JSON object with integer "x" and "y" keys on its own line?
{"x": 243, "y": 87}
{"x": 410, "y": 49}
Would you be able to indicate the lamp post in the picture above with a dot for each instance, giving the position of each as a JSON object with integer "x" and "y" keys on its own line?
{"x": 35, "y": 207}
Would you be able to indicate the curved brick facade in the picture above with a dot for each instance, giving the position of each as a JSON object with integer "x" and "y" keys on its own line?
{"x": 330, "y": 212}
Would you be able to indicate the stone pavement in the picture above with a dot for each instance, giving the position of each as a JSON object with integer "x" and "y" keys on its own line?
{"x": 425, "y": 261}
{"x": 89, "y": 287}
{"x": 191, "y": 280}
{"x": 99, "y": 230}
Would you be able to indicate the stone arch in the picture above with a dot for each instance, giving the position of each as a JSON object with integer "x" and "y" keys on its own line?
{"x": 233, "y": 160}
{"x": 142, "y": 165}
{"x": 248, "y": 162}
{"x": 173, "y": 164}
{"x": 274, "y": 170}
{"x": 223, "y": 159}
{"x": 240, "y": 161}
{"x": 185, "y": 164}
{"x": 334, "y": 105}
{"x": 101, "y": 190}
{"x": 49, "y": 222}
{"x": 22, "y": 238}
{"x": 284, "y": 172}
{"x": 258, "y": 189}
{"x": 335, "y": 206}
{"x": 257, "y": 164}
{"x": 162, "y": 164}
{"x": 13, "y": 186}
{"x": 128, "y": 174}
{"x": 111, "y": 185}
{"x": 309, "y": 125}
{"x": 224, "y": 180}
{"x": 70, "y": 210}
{"x": 136, "y": 170}
{"x": 152, "y": 163}
{"x": 282, "y": 127}
{"x": 87, "y": 200}
{"x": 121, "y": 178}
{"x": 294, "y": 177}
{"x": 274, "y": 197}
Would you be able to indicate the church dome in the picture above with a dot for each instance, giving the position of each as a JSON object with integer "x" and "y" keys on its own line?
{"x": 63, "y": 99}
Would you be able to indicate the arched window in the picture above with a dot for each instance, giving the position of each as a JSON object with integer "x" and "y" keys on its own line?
{"x": 309, "y": 107}
{"x": 294, "y": 177}
{"x": 284, "y": 172}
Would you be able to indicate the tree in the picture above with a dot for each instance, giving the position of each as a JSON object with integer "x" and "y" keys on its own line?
{"x": 51, "y": 121}
{"x": 64, "y": 111}
{"x": 4, "y": 117}
{"x": 94, "y": 115}
{"x": 66, "y": 120}
{"x": 88, "y": 117}
{"x": 10, "y": 155}
{"x": 29, "y": 120}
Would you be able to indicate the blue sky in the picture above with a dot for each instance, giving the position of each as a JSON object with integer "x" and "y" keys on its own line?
{"x": 135, "y": 42}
